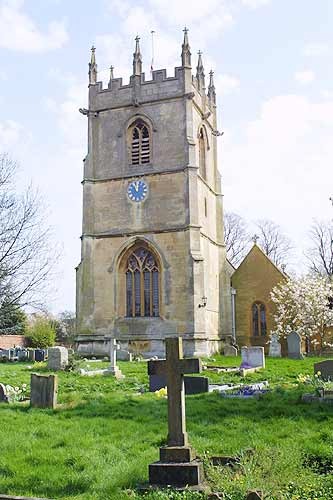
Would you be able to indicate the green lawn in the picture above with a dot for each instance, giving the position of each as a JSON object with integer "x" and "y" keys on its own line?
{"x": 97, "y": 445}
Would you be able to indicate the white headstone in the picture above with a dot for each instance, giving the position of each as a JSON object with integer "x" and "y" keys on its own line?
{"x": 275, "y": 347}
{"x": 113, "y": 368}
{"x": 253, "y": 357}
{"x": 58, "y": 358}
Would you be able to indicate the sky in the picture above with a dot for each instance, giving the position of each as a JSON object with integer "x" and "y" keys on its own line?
{"x": 274, "y": 79}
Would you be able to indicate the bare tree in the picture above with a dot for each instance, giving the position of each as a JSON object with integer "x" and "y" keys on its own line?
{"x": 236, "y": 237}
{"x": 276, "y": 245}
{"x": 26, "y": 255}
{"x": 320, "y": 254}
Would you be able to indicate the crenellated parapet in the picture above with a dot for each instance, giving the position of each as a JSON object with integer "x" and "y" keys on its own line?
{"x": 158, "y": 87}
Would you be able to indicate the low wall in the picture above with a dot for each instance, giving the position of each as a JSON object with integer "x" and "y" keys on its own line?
{"x": 8, "y": 341}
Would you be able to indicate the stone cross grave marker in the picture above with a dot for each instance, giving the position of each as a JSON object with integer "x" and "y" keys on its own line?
{"x": 113, "y": 369}
{"x": 177, "y": 465}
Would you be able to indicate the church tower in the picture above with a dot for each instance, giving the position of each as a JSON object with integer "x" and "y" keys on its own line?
{"x": 153, "y": 260}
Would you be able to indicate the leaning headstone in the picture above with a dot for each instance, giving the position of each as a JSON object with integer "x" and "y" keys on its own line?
{"x": 177, "y": 465}
{"x": 3, "y": 394}
{"x": 254, "y": 495}
{"x": 274, "y": 347}
{"x": 230, "y": 350}
{"x": 43, "y": 391}
{"x": 325, "y": 368}
{"x": 58, "y": 358}
{"x": 294, "y": 341}
{"x": 253, "y": 357}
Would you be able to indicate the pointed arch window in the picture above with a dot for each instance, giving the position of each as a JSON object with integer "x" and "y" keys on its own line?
{"x": 259, "y": 322}
{"x": 202, "y": 154}
{"x": 140, "y": 143}
{"x": 142, "y": 284}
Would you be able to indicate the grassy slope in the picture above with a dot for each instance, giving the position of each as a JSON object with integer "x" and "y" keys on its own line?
{"x": 99, "y": 442}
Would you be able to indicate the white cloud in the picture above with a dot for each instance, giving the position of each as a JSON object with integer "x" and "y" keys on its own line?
{"x": 281, "y": 168}
{"x": 19, "y": 32}
{"x": 315, "y": 49}
{"x": 304, "y": 77}
{"x": 254, "y": 4}
{"x": 11, "y": 133}
{"x": 226, "y": 84}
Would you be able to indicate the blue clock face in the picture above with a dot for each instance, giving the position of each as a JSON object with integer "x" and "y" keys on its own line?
{"x": 137, "y": 191}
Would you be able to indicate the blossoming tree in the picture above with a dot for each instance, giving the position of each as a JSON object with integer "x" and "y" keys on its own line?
{"x": 304, "y": 305}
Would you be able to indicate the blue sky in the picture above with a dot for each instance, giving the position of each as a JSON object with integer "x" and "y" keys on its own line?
{"x": 274, "y": 75}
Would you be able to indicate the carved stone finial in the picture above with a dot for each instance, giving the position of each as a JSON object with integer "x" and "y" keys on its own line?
{"x": 111, "y": 77}
{"x": 186, "y": 52}
{"x": 137, "y": 58}
{"x": 283, "y": 267}
{"x": 93, "y": 67}
{"x": 200, "y": 76}
{"x": 211, "y": 88}
{"x": 255, "y": 238}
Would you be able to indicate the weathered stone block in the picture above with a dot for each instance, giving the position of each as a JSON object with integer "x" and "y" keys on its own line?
{"x": 58, "y": 358}
{"x": 43, "y": 391}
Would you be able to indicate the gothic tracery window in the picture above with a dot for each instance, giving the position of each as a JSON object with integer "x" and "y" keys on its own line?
{"x": 202, "y": 154}
{"x": 139, "y": 143}
{"x": 259, "y": 322}
{"x": 142, "y": 284}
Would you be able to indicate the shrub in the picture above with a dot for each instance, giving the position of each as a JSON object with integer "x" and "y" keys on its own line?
{"x": 41, "y": 333}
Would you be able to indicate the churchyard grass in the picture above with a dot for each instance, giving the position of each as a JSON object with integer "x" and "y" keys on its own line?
{"x": 99, "y": 441}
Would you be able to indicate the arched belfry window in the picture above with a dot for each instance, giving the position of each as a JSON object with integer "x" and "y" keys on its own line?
{"x": 142, "y": 284}
{"x": 139, "y": 139}
{"x": 259, "y": 323}
{"x": 202, "y": 154}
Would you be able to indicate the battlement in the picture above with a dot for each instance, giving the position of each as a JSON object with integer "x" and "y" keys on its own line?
{"x": 160, "y": 86}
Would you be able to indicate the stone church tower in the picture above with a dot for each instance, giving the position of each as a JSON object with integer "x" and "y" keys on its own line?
{"x": 153, "y": 256}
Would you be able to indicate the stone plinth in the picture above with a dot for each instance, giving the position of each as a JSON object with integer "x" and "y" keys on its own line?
{"x": 176, "y": 474}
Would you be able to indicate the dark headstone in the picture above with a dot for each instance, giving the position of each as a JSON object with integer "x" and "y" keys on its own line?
{"x": 193, "y": 385}
{"x": 325, "y": 368}
{"x": 176, "y": 474}
{"x": 3, "y": 394}
{"x": 39, "y": 355}
{"x": 31, "y": 355}
{"x": 254, "y": 495}
{"x": 43, "y": 391}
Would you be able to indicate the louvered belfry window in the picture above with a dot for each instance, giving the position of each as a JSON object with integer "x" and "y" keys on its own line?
{"x": 140, "y": 143}
{"x": 142, "y": 284}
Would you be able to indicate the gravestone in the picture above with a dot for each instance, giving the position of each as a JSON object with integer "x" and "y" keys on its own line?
{"x": 58, "y": 358}
{"x": 43, "y": 391}
{"x": 193, "y": 385}
{"x": 274, "y": 347}
{"x": 113, "y": 369}
{"x": 230, "y": 350}
{"x": 177, "y": 465}
{"x": 124, "y": 355}
{"x": 253, "y": 357}
{"x": 31, "y": 354}
{"x": 294, "y": 341}
{"x": 39, "y": 355}
{"x": 23, "y": 355}
{"x": 325, "y": 368}
{"x": 3, "y": 394}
